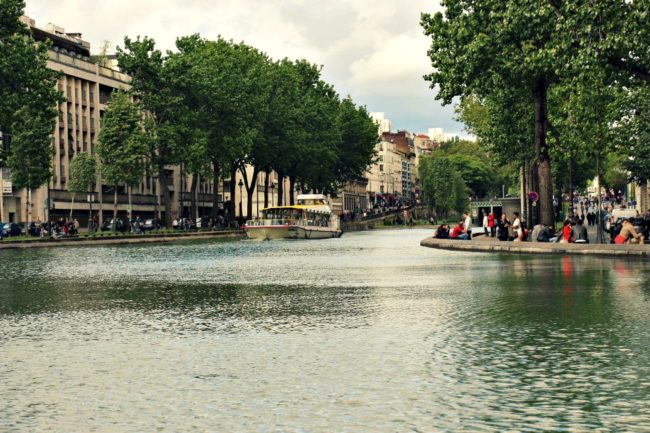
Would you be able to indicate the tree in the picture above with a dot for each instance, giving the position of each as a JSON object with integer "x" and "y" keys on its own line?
{"x": 483, "y": 47}
{"x": 82, "y": 175}
{"x": 28, "y": 101}
{"x": 443, "y": 188}
{"x": 30, "y": 156}
{"x": 358, "y": 140}
{"x": 122, "y": 145}
{"x": 152, "y": 85}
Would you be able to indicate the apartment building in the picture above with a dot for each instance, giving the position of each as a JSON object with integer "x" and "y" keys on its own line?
{"x": 87, "y": 87}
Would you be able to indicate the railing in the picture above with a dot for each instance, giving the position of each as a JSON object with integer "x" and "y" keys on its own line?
{"x": 269, "y": 222}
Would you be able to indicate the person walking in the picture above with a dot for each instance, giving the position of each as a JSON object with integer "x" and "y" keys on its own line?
{"x": 502, "y": 229}
{"x": 517, "y": 229}
{"x": 486, "y": 224}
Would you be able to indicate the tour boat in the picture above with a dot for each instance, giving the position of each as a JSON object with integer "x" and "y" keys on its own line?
{"x": 310, "y": 218}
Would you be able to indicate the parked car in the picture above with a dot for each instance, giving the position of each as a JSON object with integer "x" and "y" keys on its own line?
{"x": 120, "y": 225}
{"x": 151, "y": 224}
{"x": 13, "y": 229}
{"x": 186, "y": 223}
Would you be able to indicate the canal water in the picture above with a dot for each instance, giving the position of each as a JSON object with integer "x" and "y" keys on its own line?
{"x": 367, "y": 333}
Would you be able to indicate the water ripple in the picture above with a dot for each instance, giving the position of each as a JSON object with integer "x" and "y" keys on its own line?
{"x": 367, "y": 333}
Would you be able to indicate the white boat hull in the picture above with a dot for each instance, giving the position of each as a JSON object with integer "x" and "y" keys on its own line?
{"x": 290, "y": 232}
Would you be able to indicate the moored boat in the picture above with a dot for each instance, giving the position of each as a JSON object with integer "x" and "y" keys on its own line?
{"x": 310, "y": 218}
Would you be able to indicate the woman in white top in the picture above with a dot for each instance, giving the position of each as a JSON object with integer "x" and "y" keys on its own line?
{"x": 516, "y": 227}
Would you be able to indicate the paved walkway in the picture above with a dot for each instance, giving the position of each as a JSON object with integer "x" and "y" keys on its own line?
{"x": 485, "y": 245}
{"x": 116, "y": 240}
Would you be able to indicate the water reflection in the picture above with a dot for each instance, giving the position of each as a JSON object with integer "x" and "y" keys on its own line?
{"x": 369, "y": 332}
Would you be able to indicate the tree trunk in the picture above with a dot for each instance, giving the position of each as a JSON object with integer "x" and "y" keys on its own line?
{"x": 280, "y": 190}
{"x": 266, "y": 188}
{"x": 28, "y": 205}
{"x": 156, "y": 187}
{"x": 570, "y": 175}
{"x": 233, "y": 176}
{"x": 250, "y": 189}
{"x": 193, "y": 188}
{"x": 542, "y": 152}
{"x": 215, "y": 190}
{"x": 100, "y": 199}
{"x": 71, "y": 205}
{"x": 532, "y": 186}
{"x": 522, "y": 192}
{"x": 292, "y": 187}
{"x": 558, "y": 183}
{"x": 164, "y": 193}
{"x": 130, "y": 212}
{"x": 114, "y": 226}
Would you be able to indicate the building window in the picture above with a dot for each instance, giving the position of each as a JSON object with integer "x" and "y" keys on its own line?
{"x": 381, "y": 167}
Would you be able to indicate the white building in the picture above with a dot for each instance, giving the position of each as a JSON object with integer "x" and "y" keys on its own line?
{"x": 436, "y": 134}
{"x": 383, "y": 124}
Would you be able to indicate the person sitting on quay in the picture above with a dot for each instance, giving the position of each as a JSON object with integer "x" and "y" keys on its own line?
{"x": 467, "y": 225}
{"x": 458, "y": 233}
{"x": 541, "y": 233}
{"x": 566, "y": 233}
{"x": 628, "y": 234}
{"x": 579, "y": 233}
{"x": 442, "y": 232}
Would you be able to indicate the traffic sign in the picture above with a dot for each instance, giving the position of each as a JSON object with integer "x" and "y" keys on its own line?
{"x": 533, "y": 196}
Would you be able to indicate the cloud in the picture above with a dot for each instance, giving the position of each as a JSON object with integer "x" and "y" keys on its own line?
{"x": 373, "y": 50}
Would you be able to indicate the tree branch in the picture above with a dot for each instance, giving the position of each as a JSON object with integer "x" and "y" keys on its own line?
{"x": 636, "y": 70}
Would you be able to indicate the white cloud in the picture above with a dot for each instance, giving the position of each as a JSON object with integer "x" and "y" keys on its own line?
{"x": 373, "y": 50}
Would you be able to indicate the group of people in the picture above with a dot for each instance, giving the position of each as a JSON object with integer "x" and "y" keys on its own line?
{"x": 58, "y": 228}
{"x": 461, "y": 231}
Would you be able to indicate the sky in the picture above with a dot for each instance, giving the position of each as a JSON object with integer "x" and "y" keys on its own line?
{"x": 372, "y": 50}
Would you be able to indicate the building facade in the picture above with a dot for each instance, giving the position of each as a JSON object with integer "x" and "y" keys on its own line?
{"x": 87, "y": 87}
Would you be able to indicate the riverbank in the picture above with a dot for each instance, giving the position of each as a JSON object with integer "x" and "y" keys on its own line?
{"x": 116, "y": 240}
{"x": 485, "y": 245}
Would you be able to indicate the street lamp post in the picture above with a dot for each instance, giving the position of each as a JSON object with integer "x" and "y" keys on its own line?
{"x": 241, "y": 185}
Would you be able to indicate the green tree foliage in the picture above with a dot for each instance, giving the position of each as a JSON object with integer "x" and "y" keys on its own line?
{"x": 483, "y": 47}
{"x": 28, "y": 99}
{"x": 443, "y": 188}
{"x": 358, "y": 140}
{"x": 233, "y": 107}
{"x": 83, "y": 172}
{"x": 167, "y": 118}
{"x": 122, "y": 145}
